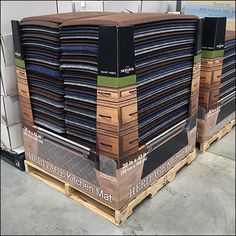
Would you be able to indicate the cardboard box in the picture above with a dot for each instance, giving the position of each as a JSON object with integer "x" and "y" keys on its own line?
{"x": 7, "y": 49}
{"x": 99, "y": 176}
{"x": 213, "y": 121}
{"x": 11, "y": 138}
{"x": 213, "y": 41}
{"x": 10, "y": 110}
{"x": 8, "y": 71}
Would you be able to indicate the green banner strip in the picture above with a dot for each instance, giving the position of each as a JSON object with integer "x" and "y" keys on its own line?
{"x": 20, "y": 63}
{"x": 116, "y": 82}
{"x": 197, "y": 58}
{"x": 212, "y": 54}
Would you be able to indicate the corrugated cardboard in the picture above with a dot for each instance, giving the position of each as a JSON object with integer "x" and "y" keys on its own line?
{"x": 10, "y": 110}
{"x": 11, "y": 138}
{"x": 99, "y": 177}
{"x": 8, "y": 50}
{"x": 8, "y": 73}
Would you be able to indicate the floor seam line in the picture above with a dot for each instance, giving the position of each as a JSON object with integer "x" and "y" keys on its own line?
{"x": 221, "y": 156}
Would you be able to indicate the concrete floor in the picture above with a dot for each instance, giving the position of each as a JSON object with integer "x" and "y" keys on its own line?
{"x": 200, "y": 200}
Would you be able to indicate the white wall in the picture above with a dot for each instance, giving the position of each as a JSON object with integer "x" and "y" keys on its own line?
{"x": 16, "y": 10}
{"x": 64, "y": 6}
{"x": 118, "y": 6}
{"x": 158, "y": 6}
{"x": 172, "y": 5}
{"x": 212, "y": 8}
{"x": 88, "y": 5}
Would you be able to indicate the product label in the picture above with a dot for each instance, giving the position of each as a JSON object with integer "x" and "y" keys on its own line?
{"x": 156, "y": 174}
{"x": 69, "y": 177}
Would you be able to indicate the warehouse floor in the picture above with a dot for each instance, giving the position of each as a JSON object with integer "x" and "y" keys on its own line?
{"x": 200, "y": 200}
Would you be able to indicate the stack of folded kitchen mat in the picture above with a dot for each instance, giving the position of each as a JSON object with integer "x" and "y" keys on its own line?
{"x": 41, "y": 44}
{"x": 227, "y": 87}
{"x": 158, "y": 65}
{"x": 73, "y": 58}
{"x": 164, "y": 59}
{"x": 79, "y": 66}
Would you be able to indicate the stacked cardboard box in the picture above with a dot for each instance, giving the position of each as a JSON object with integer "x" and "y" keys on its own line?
{"x": 217, "y": 96}
{"x": 11, "y": 129}
{"x": 131, "y": 86}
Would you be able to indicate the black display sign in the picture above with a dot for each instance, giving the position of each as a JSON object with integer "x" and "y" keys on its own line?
{"x": 116, "y": 51}
{"x": 17, "y": 39}
{"x": 213, "y": 37}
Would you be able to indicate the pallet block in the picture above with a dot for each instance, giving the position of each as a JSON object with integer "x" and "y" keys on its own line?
{"x": 205, "y": 145}
{"x": 115, "y": 216}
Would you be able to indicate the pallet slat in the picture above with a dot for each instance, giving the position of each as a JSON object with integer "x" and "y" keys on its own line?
{"x": 115, "y": 216}
{"x": 205, "y": 145}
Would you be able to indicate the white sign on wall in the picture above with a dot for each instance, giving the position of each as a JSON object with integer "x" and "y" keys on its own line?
{"x": 212, "y": 9}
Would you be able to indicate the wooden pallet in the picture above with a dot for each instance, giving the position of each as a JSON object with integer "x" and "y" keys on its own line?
{"x": 205, "y": 145}
{"x": 115, "y": 216}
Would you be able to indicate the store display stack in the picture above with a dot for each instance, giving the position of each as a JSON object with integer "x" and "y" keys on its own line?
{"x": 217, "y": 95}
{"x": 131, "y": 85}
{"x": 130, "y": 79}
